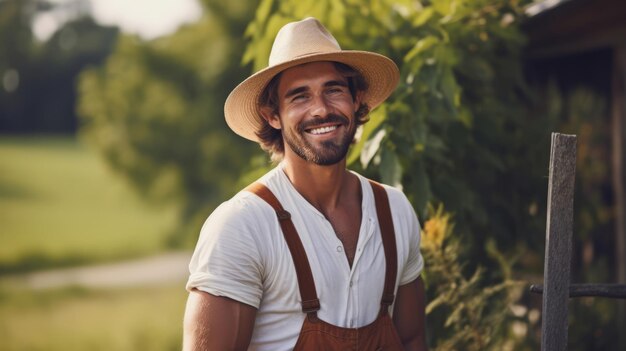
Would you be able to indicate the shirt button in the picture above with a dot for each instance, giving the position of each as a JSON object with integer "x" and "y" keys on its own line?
{"x": 339, "y": 248}
{"x": 351, "y": 283}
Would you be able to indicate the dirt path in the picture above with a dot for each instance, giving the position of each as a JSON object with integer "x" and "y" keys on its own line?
{"x": 156, "y": 270}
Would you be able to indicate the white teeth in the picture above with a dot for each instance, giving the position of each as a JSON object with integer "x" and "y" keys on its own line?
{"x": 322, "y": 130}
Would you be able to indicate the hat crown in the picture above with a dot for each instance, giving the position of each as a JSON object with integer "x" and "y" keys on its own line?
{"x": 302, "y": 38}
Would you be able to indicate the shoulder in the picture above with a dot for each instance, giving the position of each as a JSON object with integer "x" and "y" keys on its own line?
{"x": 244, "y": 207}
{"x": 402, "y": 211}
{"x": 244, "y": 217}
{"x": 404, "y": 216}
{"x": 397, "y": 198}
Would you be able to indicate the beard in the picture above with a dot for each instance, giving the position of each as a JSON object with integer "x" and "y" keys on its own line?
{"x": 328, "y": 152}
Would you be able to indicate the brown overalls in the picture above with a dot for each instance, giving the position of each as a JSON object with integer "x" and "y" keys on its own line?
{"x": 317, "y": 334}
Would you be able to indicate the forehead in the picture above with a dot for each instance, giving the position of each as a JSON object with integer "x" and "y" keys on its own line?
{"x": 309, "y": 74}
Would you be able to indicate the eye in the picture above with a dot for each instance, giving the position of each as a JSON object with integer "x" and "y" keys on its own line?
{"x": 298, "y": 98}
{"x": 336, "y": 90}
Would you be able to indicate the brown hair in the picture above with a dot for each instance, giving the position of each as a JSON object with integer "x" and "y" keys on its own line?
{"x": 271, "y": 139}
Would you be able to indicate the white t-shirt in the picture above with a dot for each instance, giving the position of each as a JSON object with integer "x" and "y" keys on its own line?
{"x": 242, "y": 254}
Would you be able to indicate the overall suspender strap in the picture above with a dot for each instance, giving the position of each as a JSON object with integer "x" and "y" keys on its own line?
{"x": 306, "y": 284}
{"x": 310, "y": 302}
{"x": 389, "y": 242}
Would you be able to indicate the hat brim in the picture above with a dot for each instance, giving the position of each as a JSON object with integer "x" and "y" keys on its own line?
{"x": 242, "y": 110}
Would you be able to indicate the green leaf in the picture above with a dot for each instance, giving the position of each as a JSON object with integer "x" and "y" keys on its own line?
{"x": 337, "y": 15}
{"x": 450, "y": 90}
{"x": 444, "y": 7}
{"x": 263, "y": 11}
{"x": 466, "y": 117}
{"x": 421, "y": 46}
{"x": 438, "y": 301}
{"x": 264, "y": 44}
{"x": 455, "y": 316}
{"x": 390, "y": 168}
{"x": 377, "y": 117}
{"x": 423, "y": 17}
{"x": 420, "y": 184}
{"x": 370, "y": 148}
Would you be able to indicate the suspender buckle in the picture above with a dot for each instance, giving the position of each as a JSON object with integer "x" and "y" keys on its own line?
{"x": 387, "y": 299}
{"x": 311, "y": 306}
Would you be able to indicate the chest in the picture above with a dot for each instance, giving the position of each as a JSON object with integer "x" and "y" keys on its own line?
{"x": 349, "y": 294}
{"x": 346, "y": 225}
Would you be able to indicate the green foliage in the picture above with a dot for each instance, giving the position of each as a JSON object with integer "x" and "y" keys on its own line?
{"x": 17, "y": 58}
{"x": 455, "y": 129}
{"x": 584, "y": 112}
{"x": 155, "y": 112}
{"x": 466, "y": 313}
{"x": 16, "y": 37}
{"x": 60, "y": 205}
{"x": 45, "y": 72}
{"x": 593, "y": 324}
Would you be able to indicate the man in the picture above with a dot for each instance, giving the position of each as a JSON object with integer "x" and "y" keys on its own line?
{"x": 311, "y": 256}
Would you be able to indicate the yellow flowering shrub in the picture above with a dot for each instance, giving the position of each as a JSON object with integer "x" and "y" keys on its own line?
{"x": 464, "y": 311}
{"x": 436, "y": 228}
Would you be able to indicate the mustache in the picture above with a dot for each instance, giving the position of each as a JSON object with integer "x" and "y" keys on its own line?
{"x": 330, "y": 118}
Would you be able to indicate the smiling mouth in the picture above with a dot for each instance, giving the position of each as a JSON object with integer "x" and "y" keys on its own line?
{"x": 322, "y": 130}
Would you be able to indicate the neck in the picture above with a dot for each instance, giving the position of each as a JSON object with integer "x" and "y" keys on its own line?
{"x": 325, "y": 187}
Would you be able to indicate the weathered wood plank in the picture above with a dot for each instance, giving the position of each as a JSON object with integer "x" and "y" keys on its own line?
{"x": 615, "y": 291}
{"x": 559, "y": 227}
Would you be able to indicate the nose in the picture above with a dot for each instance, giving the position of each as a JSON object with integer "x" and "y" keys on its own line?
{"x": 319, "y": 106}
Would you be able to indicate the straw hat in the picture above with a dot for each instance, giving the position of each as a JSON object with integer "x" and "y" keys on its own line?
{"x": 303, "y": 42}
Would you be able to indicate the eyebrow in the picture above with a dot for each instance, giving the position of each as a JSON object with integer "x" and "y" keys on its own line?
{"x": 301, "y": 89}
{"x": 295, "y": 91}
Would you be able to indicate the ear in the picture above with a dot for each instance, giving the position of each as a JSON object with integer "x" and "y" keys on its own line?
{"x": 272, "y": 118}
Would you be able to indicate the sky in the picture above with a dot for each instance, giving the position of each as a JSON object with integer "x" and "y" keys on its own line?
{"x": 147, "y": 18}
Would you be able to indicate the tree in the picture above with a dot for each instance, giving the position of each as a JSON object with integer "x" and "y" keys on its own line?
{"x": 155, "y": 111}
{"x": 78, "y": 44}
{"x": 44, "y": 72}
{"x": 17, "y": 53}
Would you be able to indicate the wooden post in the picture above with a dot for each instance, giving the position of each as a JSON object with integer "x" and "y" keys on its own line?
{"x": 559, "y": 227}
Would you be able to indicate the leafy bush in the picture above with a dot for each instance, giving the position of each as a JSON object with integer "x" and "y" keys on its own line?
{"x": 464, "y": 313}
{"x": 154, "y": 111}
{"x": 455, "y": 130}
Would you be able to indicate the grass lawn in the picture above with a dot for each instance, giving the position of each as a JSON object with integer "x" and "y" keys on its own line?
{"x": 74, "y": 319}
{"x": 60, "y": 205}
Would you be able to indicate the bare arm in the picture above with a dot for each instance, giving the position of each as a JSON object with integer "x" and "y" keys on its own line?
{"x": 409, "y": 315}
{"x": 216, "y": 323}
